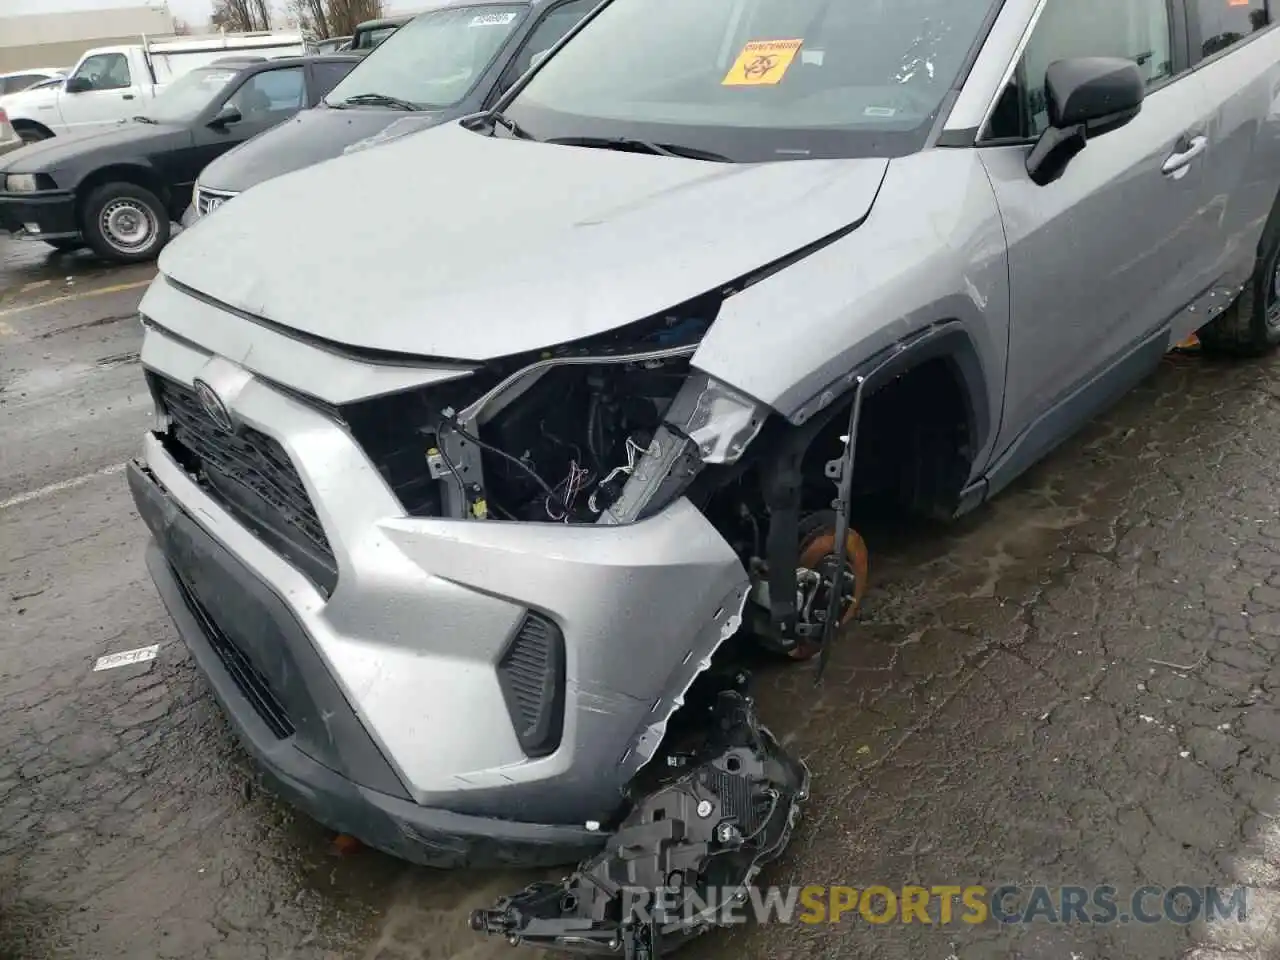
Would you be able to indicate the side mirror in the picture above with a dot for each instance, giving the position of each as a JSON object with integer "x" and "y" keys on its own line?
{"x": 1086, "y": 96}
{"x": 77, "y": 85}
{"x": 226, "y": 116}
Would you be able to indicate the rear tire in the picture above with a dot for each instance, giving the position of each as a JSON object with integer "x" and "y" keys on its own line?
{"x": 125, "y": 223}
{"x": 1250, "y": 327}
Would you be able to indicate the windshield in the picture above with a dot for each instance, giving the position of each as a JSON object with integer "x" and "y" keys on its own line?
{"x": 433, "y": 60}
{"x": 182, "y": 100}
{"x": 756, "y": 80}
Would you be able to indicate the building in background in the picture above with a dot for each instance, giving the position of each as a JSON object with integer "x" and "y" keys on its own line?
{"x": 58, "y": 39}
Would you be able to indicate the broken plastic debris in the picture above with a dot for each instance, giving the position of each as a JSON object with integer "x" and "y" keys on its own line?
{"x": 127, "y": 657}
{"x": 653, "y": 887}
{"x": 1184, "y": 754}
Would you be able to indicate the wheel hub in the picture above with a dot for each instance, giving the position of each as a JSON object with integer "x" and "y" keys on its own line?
{"x": 127, "y": 225}
{"x": 816, "y": 578}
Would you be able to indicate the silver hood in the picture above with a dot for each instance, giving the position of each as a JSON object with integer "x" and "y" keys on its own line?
{"x": 453, "y": 244}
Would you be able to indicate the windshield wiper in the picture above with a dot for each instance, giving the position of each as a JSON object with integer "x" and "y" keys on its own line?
{"x": 380, "y": 100}
{"x": 142, "y": 119}
{"x": 632, "y": 145}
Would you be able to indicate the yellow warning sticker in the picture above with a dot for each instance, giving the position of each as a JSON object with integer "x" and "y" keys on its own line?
{"x": 762, "y": 62}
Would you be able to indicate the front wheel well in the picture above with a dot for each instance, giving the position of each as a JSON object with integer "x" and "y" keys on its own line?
{"x": 916, "y": 440}
{"x": 916, "y": 437}
{"x": 120, "y": 173}
{"x": 30, "y": 126}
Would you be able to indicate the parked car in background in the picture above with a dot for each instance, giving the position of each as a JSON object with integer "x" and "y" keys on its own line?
{"x": 116, "y": 82}
{"x": 442, "y": 65}
{"x": 21, "y": 80}
{"x": 118, "y": 189}
{"x": 332, "y": 45}
{"x": 44, "y": 84}
{"x": 9, "y": 139}
{"x": 371, "y": 33}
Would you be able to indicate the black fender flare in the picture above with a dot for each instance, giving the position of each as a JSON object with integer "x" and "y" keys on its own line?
{"x": 946, "y": 340}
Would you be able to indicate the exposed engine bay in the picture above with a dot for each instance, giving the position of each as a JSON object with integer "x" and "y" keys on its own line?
{"x": 563, "y": 450}
{"x": 687, "y": 851}
{"x": 612, "y": 431}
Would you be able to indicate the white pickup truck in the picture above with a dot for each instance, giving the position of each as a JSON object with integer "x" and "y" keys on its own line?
{"x": 115, "y": 83}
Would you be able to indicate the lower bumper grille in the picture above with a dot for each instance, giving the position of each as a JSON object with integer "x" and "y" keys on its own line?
{"x": 532, "y": 677}
{"x": 247, "y": 679}
{"x": 251, "y": 475}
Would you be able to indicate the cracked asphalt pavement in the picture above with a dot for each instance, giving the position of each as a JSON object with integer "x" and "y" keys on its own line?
{"x": 1077, "y": 685}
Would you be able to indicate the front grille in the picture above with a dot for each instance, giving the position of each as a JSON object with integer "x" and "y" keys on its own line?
{"x": 251, "y": 683}
{"x": 531, "y": 675}
{"x": 251, "y": 475}
{"x": 209, "y": 200}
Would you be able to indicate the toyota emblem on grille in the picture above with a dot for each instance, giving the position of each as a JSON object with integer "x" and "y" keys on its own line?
{"x": 213, "y": 406}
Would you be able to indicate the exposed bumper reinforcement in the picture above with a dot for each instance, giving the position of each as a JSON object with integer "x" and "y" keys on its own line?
{"x": 685, "y": 853}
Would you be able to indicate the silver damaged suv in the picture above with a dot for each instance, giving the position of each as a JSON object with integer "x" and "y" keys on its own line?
{"x": 453, "y": 550}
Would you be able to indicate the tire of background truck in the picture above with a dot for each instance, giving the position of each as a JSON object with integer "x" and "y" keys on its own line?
{"x": 65, "y": 246}
{"x": 1250, "y": 327}
{"x": 125, "y": 223}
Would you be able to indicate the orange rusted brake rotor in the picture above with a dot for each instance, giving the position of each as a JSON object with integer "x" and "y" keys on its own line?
{"x": 819, "y": 548}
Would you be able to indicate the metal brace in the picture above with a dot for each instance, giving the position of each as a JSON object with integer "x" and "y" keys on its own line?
{"x": 843, "y": 470}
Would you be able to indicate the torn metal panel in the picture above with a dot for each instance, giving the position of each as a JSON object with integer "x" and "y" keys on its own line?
{"x": 727, "y": 622}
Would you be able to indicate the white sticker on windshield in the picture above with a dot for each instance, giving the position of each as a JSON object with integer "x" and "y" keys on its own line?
{"x": 492, "y": 19}
{"x": 813, "y": 57}
{"x": 218, "y": 77}
{"x": 879, "y": 112}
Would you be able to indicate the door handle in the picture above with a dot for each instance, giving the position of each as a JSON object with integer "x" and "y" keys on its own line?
{"x": 1188, "y": 149}
{"x": 126, "y": 96}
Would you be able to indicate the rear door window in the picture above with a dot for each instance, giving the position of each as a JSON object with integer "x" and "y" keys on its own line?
{"x": 327, "y": 76}
{"x": 1224, "y": 23}
{"x": 550, "y": 31}
{"x": 271, "y": 95}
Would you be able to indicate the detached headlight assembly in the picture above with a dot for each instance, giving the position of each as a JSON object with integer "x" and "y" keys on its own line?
{"x": 723, "y": 422}
{"x": 708, "y": 423}
{"x": 22, "y": 183}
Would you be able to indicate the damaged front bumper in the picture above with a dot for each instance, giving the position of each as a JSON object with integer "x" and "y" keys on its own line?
{"x": 515, "y": 673}
{"x": 687, "y": 852}
{"x": 453, "y": 689}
